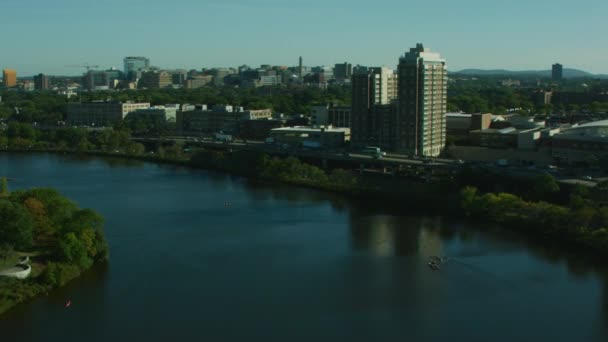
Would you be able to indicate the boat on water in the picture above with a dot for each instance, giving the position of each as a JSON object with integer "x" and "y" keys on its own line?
{"x": 435, "y": 262}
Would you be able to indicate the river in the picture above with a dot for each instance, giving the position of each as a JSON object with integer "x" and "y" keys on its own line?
{"x": 201, "y": 256}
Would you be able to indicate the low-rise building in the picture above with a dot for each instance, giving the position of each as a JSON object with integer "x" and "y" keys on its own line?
{"x": 460, "y": 124}
{"x": 325, "y": 136}
{"x": 220, "y": 118}
{"x": 495, "y": 138}
{"x": 101, "y": 113}
{"x": 585, "y": 143}
{"x": 167, "y": 113}
{"x": 258, "y": 129}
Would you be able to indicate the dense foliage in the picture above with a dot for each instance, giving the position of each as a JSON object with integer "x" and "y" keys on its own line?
{"x": 488, "y": 95}
{"x": 287, "y": 170}
{"x": 63, "y": 240}
{"x": 21, "y": 136}
{"x": 50, "y": 108}
{"x": 584, "y": 223}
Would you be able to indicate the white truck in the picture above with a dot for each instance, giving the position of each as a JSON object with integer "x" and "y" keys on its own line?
{"x": 373, "y": 151}
{"x": 502, "y": 162}
{"x": 223, "y": 137}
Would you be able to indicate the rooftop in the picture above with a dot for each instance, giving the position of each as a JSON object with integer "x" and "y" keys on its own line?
{"x": 312, "y": 129}
{"x": 592, "y": 130}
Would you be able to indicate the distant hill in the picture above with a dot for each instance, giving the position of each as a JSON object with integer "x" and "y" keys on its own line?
{"x": 568, "y": 73}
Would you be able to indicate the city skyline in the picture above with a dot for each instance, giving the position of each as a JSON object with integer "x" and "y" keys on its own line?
{"x": 203, "y": 34}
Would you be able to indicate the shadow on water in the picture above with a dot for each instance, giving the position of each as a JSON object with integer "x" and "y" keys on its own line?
{"x": 112, "y": 162}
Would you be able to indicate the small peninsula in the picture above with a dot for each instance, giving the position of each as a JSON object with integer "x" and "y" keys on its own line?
{"x": 46, "y": 240}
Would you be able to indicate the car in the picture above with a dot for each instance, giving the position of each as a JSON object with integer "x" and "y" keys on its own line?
{"x": 587, "y": 178}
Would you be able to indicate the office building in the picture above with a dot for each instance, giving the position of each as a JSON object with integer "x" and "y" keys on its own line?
{"x": 557, "y": 72}
{"x": 219, "y": 74}
{"x": 198, "y": 81}
{"x": 9, "y": 78}
{"x": 101, "y": 113}
{"x": 371, "y": 87}
{"x": 270, "y": 80}
{"x": 101, "y": 79}
{"x": 166, "y": 113}
{"x": 220, "y": 118}
{"x": 41, "y": 82}
{"x": 134, "y": 65}
{"x": 178, "y": 76}
{"x": 343, "y": 71}
{"x": 95, "y": 79}
{"x": 422, "y": 91}
{"x": 155, "y": 79}
{"x": 322, "y": 75}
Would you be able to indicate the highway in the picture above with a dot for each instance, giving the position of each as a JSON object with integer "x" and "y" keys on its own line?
{"x": 390, "y": 162}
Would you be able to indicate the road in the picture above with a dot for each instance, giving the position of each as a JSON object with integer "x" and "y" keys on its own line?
{"x": 391, "y": 160}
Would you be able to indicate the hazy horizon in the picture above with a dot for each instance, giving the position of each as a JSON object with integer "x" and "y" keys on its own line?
{"x": 189, "y": 34}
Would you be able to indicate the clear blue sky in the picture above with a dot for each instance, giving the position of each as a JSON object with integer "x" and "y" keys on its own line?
{"x": 46, "y": 35}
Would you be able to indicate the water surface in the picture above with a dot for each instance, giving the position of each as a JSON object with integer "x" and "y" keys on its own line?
{"x": 203, "y": 256}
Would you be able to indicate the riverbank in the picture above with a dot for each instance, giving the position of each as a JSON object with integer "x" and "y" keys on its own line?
{"x": 60, "y": 240}
{"x": 580, "y": 225}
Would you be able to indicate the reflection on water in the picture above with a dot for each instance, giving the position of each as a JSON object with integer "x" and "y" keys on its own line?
{"x": 200, "y": 255}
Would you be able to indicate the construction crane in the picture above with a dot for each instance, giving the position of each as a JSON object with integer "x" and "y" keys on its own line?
{"x": 86, "y": 66}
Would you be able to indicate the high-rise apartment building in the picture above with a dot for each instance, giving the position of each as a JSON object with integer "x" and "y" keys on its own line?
{"x": 557, "y": 72}
{"x": 422, "y": 92}
{"x": 9, "y": 77}
{"x": 41, "y": 82}
{"x": 371, "y": 87}
{"x": 132, "y": 65}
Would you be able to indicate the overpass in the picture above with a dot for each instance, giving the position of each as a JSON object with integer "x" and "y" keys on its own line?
{"x": 392, "y": 163}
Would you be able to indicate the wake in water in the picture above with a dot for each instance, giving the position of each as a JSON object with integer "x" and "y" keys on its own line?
{"x": 437, "y": 263}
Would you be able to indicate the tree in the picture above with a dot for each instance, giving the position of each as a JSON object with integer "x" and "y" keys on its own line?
{"x": 468, "y": 196}
{"x": 544, "y": 186}
{"x": 4, "y": 186}
{"x": 136, "y": 149}
{"x": 6, "y": 250}
{"x": 16, "y": 225}
{"x": 74, "y": 251}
